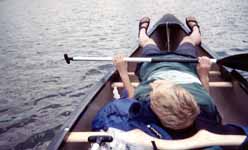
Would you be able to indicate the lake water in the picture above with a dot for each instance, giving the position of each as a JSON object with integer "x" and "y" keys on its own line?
{"x": 39, "y": 91}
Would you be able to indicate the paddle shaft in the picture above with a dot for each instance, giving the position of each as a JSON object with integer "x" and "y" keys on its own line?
{"x": 238, "y": 61}
{"x": 134, "y": 59}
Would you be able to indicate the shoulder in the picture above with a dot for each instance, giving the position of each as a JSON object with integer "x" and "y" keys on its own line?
{"x": 204, "y": 100}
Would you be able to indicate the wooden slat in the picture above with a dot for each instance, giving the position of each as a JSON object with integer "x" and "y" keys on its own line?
{"x": 131, "y": 73}
{"x": 120, "y": 84}
{"x": 213, "y": 73}
{"x": 211, "y": 84}
{"x": 221, "y": 84}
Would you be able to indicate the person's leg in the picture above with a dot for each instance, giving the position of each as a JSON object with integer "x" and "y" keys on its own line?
{"x": 144, "y": 39}
{"x": 195, "y": 37}
{"x": 188, "y": 44}
{"x": 149, "y": 46}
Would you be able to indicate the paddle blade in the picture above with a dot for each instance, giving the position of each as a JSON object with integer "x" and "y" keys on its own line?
{"x": 239, "y": 61}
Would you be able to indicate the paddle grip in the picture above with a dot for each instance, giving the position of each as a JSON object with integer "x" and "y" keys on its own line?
{"x": 67, "y": 59}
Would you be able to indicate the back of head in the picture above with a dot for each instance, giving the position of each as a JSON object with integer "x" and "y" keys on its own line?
{"x": 175, "y": 107}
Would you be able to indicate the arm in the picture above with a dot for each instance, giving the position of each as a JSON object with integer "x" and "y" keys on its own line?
{"x": 203, "y": 68}
{"x": 121, "y": 67}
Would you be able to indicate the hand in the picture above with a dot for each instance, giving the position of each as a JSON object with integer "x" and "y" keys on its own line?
{"x": 120, "y": 64}
{"x": 203, "y": 67}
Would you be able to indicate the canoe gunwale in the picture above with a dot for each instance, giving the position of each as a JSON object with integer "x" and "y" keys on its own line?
{"x": 242, "y": 81}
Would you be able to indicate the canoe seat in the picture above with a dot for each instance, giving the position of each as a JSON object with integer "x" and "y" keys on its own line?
{"x": 139, "y": 137}
{"x": 211, "y": 84}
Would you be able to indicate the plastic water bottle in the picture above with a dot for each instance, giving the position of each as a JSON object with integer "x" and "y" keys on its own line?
{"x": 116, "y": 93}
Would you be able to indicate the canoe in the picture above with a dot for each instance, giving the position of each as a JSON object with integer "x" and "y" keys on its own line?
{"x": 227, "y": 86}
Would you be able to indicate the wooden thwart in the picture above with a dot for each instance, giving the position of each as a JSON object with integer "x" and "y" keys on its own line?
{"x": 211, "y": 84}
{"x": 211, "y": 73}
{"x": 203, "y": 138}
{"x": 221, "y": 84}
{"x": 215, "y": 73}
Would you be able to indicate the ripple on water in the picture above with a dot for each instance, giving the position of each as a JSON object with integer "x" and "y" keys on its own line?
{"x": 19, "y": 124}
{"x": 92, "y": 72}
{"x": 3, "y": 110}
{"x": 65, "y": 93}
{"x": 50, "y": 81}
{"x": 37, "y": 139}
{"x": 36, "y": 101}
{"x": 77, "y": 94}
{"x": 80, "y": 91}
{"x": 66, "y": 113}
{"x": 107, "y": 67}
{"x": 245, "y": 41}
{"x": 52, "y": 106}
{"x": 239, "y": 50}
{"x": 86, "y": 87}
{"x": 4, "y": 101}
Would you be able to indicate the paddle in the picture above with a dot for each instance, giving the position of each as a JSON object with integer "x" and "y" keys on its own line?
{"x": 239, "y": 61}
{"x": 203, "y": 138}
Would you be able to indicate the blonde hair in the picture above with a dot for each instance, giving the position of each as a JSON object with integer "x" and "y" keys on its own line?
{"x": 175, "y": 107}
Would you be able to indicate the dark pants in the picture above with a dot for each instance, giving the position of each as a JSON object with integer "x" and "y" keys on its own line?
{"x": 186, "y": 49}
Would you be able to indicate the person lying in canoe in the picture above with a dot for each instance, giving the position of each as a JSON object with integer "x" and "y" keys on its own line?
{"x": 178, "y": 91}
{"x": 172, "y": 99}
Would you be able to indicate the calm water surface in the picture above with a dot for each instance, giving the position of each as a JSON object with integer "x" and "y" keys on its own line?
{"x": 39, "y": 91}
